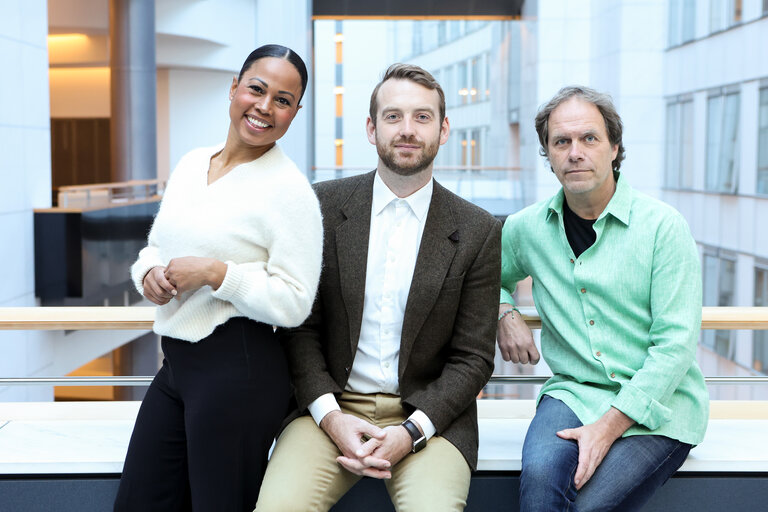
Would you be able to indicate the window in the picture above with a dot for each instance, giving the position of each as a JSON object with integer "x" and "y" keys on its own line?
{"x": 679, "y": 150}
{"x": 719, "y": 275}
{"x": 463, "y": 83}
{"x": 762, "y": 142}
{"x": 449, "y": 86}
{"x": 477, "y": 86}
{"x": 724, "y": 14}
{"x": 475, "y": 147}
{"x": 442, "y": 29}
{"x": 760, "y": 338}
{"x": 456, "y": 28}
{"x": 488, "y": 75}
{"x": 722, "y": 142}
{"x": 682, "y": 21}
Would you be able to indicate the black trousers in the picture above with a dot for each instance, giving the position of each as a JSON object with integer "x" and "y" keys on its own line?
{"x": 207, "y": 422}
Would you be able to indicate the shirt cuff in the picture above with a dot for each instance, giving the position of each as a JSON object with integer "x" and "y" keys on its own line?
{"x": 424, "y": 422}
{"x": 322, "y": 405}
{"x": 641, "y": 407}
{"x": 505, "y": 297}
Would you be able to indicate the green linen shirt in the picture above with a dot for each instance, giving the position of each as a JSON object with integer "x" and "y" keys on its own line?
{"x": 620, "y": 323}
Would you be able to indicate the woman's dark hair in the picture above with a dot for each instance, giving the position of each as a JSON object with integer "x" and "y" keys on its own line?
{"x": 279, "y": 52}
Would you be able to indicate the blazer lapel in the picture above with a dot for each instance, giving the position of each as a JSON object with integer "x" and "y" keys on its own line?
{"x": 436, "y": 252}
{"x": 352, "y": 253}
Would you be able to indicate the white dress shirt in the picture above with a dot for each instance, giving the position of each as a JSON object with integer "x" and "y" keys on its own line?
{"x": 395, "y": 236}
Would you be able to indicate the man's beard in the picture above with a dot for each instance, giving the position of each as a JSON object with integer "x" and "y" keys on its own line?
{"x": 387, "y": 153}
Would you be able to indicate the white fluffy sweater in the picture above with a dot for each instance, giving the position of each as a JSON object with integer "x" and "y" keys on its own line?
{"x": 262, "y": 219}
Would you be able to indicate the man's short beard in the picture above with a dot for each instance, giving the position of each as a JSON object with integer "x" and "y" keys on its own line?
{"x": 388, "y": 157}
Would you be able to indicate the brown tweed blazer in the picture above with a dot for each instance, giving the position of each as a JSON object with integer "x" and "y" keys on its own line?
{"x": 449, "y": 329}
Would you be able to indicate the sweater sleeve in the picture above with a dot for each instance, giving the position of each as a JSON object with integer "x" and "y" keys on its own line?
{"x": 149, "y": 257}
{"x": 280, "y": 291}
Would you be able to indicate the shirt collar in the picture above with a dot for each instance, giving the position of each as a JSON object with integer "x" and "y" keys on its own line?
{"x": 418, "y": 201}
{"x": 618, "y": 206}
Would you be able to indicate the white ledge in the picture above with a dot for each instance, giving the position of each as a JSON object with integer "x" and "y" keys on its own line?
{"x": 92, "y": 437}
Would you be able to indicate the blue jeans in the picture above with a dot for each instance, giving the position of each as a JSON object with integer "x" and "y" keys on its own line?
{"x": 634, "y": 468}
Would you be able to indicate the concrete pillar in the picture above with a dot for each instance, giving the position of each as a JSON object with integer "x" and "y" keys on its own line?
{"x": 133, "y": 89}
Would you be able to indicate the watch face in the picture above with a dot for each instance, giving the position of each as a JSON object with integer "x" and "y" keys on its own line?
{"x": 419, "y": 444}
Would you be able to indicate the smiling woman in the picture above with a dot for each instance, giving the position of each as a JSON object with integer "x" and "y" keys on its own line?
{"x": 234, "y": 250}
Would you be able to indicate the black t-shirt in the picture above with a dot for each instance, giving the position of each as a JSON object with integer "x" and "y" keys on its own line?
{"x": 581, "y": 235}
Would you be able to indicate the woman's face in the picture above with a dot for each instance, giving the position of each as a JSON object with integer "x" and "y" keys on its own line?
{"x": 265, "y": 101}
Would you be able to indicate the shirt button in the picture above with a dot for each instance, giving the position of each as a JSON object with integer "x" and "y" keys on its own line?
{"x": 571, "y": 260}
{"x": 591, "y": 322}
{"x": 583, "y": 290}
{"x": 598, "y": 353}
{"x": 613, "y": 375}
{"x": 386, "y": 365}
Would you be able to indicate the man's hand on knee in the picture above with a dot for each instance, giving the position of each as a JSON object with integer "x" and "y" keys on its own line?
{"x": 349, "y": 433}
{"x": 594, "y": 442}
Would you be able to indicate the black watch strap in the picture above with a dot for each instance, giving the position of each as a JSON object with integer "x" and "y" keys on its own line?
{"x": 419, "y": 441}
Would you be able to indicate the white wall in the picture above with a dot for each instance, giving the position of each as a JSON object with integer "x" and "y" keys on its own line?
{"x": 197, "y": 108}
{"x": 79, "y": 92}
{"x": 25, "y": 178}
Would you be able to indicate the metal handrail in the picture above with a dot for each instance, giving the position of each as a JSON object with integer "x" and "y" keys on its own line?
{"x": 541, "y": 379}
{"x": 141, "y": 318}
{"x": 147, "y": 379}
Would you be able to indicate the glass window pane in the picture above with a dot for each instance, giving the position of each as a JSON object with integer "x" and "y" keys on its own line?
{"x": 714, "y": 126}
{"x": 463, "y": 83}
{"x": 735, "y": 11}
{"x": 673, "y": 130}
{"x": 686, "y": 150}
{"x": 449, "y": 86}
{"x": 476, "y": 87}
{"x": 762, "y": 143}
{"x": 689, "y": 20}
{"x": 760, "y": 337}
{"x": 673, "y": 35}
{"x": 716, "y": 15}
{"x": 709, "y": 271}
{"x": 729, "y": 147}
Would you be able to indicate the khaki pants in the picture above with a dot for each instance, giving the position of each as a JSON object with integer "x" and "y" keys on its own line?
{"x": 303, "y": 475}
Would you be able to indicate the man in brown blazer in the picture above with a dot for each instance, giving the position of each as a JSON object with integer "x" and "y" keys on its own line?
{"x": 401, "y": 337}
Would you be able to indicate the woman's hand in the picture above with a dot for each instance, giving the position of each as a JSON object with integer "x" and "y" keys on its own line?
{"x": 191, "y": 273}
{"x": 157, "y": 288}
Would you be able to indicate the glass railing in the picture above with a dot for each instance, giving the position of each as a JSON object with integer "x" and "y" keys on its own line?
{"x": 106, "y": 194}
{"x": 138, "y": 318}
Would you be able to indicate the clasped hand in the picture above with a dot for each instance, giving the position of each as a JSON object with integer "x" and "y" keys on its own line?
{"x": 366, "y": 449}
{"x": 182, "y": 275}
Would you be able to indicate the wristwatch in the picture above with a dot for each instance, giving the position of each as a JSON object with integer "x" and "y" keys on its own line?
{"x": 419, "y": 441}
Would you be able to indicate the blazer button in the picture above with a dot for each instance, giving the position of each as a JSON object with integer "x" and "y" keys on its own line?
{"x": 347, "y": 369}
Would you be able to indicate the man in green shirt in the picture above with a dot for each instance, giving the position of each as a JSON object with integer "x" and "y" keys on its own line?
{"x": 617, "y": 282}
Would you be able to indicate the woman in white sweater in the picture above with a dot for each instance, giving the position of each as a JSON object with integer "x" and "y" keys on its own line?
{"x": 235, "y": 248}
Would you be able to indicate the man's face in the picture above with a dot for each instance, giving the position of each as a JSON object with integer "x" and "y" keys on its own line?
{"x": 408, "y": 130}
{"x": 579, "y": 150}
